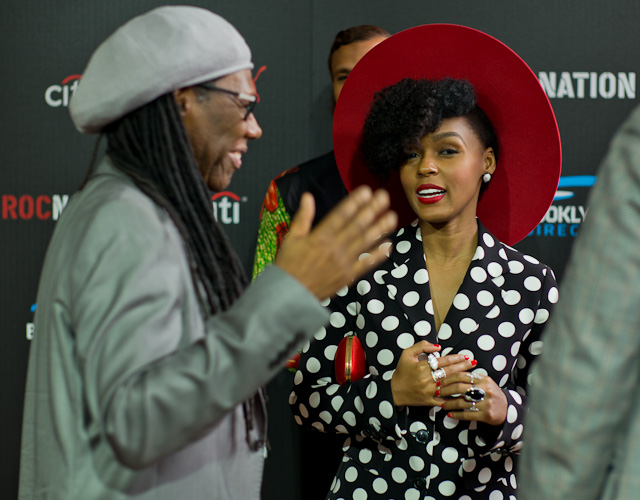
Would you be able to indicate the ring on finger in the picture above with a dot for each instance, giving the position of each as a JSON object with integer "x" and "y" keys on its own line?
{"x": 433, "y": 362}
{"x": 474, "y": 394}
{"x": 474, "y": 377}
{"x": 438, "y": 374}
{"x": 474, "y": 407}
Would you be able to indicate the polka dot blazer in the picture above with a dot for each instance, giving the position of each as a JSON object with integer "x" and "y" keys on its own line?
{"x": 412, "y": 453}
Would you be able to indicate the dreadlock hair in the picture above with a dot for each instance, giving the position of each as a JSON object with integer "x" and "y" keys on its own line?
{"x": 151, "y": 146}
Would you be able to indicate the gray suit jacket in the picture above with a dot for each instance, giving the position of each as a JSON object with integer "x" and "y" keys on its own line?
{"x": 583, "y": 428}
{"x": 131, "y": 393}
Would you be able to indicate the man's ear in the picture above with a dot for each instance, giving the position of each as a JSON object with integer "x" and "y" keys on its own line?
{"x": 184, "y": 98}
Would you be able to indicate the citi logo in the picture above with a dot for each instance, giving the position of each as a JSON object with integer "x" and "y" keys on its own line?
{"x": 59, "y": 95}
{"x": 27, "y": 207}
{"x": 588, "y": 84}
{"x": 226, "y": 207}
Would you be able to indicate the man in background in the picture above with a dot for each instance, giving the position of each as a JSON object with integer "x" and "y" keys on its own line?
{"x": 583, "y": 426}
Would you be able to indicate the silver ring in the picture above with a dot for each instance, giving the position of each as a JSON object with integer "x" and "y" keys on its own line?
{"x": 438, "y": 374}
{"x": 433, "y": 362}
{"x": 474, "y": 394}
{"x": 474, "y": 377}
{"x": 474, "y": 407}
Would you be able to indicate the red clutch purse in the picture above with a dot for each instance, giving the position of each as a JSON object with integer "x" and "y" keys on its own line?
{"x": 350, "y": 360}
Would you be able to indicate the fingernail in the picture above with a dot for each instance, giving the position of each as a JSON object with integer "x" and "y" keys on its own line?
{"x": 474, "y": 362}
{"x": 442, "y": 406}
{"x": 436, "y": 345}
{"x": 438, "y": 383}
{"x": 437, "y": 392}
{"x": 449, "y": 415}
{"x": 466, "y": 357}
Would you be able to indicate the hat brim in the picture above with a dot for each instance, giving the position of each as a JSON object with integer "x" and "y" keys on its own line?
{"x": 529, "y": 165}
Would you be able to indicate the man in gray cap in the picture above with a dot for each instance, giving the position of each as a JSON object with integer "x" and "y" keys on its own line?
{"x": 149, "y": 353}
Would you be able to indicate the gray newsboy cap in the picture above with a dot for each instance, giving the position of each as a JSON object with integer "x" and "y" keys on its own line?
{"x": 155, "y": 53}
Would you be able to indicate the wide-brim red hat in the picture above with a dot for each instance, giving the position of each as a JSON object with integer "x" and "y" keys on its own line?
{"x": 528, "y": 169}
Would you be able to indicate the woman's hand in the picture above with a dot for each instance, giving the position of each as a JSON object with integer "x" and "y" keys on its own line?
{"x": 491, "y": 410}
{"x": 412, "y": 383}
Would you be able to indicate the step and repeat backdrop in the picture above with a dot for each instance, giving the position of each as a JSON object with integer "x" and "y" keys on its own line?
{"x": 585, "y": 55}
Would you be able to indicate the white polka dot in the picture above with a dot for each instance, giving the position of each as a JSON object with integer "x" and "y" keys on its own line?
{"x": 386, "y": 409}
{"x": 405, "y": 340}
{"x": 532, "y": 284}
{"x": 494, "y": 313}
{"x": 387, "y": 375}
{"x": 365, "y": 455}
{"x": 410, "y": 299}
{"x": 385, "y": 246}
{"x": 364, "y": 287}
{"x": 450, "y": 423}
{"x": 488, "y": 240}
{"x": 378, "y": 277}
{"x": 332, "y": 389}
{"x": 336, "y": 403}
{"x": 314, "y": 399}
{"x": 463, "y": 437}
{"x": 486, "y": 342}
{"x": 484, "y": 298}
{"x": 343, "y": 291}
{"x": 479, "y": 255}
{"x": 478, "y": 275}
{"x": 516, "y": 267}
{"x": 517, "y": 432}
{"x": 450, "y": 455}
{"x": 337, "y": 320}
{"x": 360, "y": 322}
{"x": 403, "y": 246}
{"x": 503, "y": 381}
{"x": 320, "y": 334}
{"x": 469, "y": 464}
{"x": 542, "y": 315}
{"x": 447, "y": 488}
{"x": 398, "y": 475}
{"x": 485, "y": 475}
{"x": 416, "y": 463}
{"x": 380, "y": 486}
{"x": 351, "y": 474}
{"x": 390, "y": 323}
{"x": 402, "y": 444}
{"x": 359, "y": 405}
{"x": 553, "y": 295}
{"x": 498, "y": 281}
{"x": 349, "y": 418}
{"x": 375, "y": 306}
{"x": 326, "y": 416}
{"x": 461, "y": 302}
{"x": 502, "y": 254}
{"x": 499, "y": 362}
{"x": 400, "y": 271}
{"x": 303, "y": 411}
{"x": 313, "y": 365}
{"x": 434, "y": 470}
{"x": 417, "y": 426}
{"x": 526, "y": 316}
{"x": 468, "y": 325}
{"x": 445, "y": 332}
{"x": 515, "y": 349}
{"x": 318, "y": 426}
{"x": 516, "y": 397}
{"x": 512, "y": 414}
{"x": 536, "y": 348}
{"x": 385, "y": 357}
{"x": 421, "y": 277}
{"x": 494, "y": 269}
{"x": 429, "y": 307}
{"x": 511, "y": 297}
{"x": 330, "y": 352}
{"x": 372, "y": 390}
{"x": 508, "y": 464}
{"x": 371, "y": 339}
{"x": 496, "y": 495}
{"x": 422, "y": 328}
{"x": 506, "y": 329}
{"x": 360, "y": 494}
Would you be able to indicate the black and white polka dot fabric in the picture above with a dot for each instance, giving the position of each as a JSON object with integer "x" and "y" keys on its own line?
{"x": 418, "y": 453}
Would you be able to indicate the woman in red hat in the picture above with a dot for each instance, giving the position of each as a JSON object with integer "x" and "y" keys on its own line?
{"x": 452, "y": 321}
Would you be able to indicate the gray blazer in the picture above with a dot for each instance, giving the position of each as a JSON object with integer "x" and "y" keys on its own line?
{"x": 130, "y": 392}
{"x": 583, "y": 427}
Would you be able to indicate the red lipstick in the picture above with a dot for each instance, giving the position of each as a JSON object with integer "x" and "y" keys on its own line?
{"x": 430, "y": 193}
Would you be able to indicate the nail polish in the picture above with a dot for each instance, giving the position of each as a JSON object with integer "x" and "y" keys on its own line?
{"x": 466, "y": 357}
{"x": 474, "y": 362}
{"x": 442, "y": 406}
{"x": 437, "y": 393}
{"x": 438, "y": 383}
{"x": 436, "y": 345}
{"x": 449, "y": 415}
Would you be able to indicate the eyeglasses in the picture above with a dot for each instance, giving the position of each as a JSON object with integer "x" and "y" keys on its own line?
{"x": 251, "y": 99}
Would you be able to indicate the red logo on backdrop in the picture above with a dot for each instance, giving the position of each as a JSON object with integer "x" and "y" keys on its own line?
{"x": 59, "y": 95}
{"x": 28, "y": 207}
{"x": 226, "y": 207}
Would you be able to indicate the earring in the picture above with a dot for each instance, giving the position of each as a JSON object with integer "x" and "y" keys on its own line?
{"x": 486, "y": 178}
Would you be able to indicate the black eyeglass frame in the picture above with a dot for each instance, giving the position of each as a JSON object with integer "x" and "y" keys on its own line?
{"x": 251, "y": 99}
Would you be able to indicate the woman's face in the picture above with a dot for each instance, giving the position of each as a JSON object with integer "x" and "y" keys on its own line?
{"x": 442, "y": 178}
